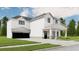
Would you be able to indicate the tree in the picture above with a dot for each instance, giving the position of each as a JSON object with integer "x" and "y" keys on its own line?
{"x": 4, "y": 30}
{"x": 0, "y": 23}
{"x": 62, "y": 21}
{"x": 4, "y": 20}
{"x": 0, "y": 26}
{"x": 77, "y": 31}
{"x": 4, "y": 26}
{"x": 71, "y": 28}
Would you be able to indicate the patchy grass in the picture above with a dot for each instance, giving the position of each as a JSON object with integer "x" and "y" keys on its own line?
{"x": 29, "y": 48}
{"x": 9, "y": 42}
{"x": 70, "y": 38}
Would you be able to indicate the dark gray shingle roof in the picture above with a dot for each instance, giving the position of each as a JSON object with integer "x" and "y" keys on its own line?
{"x": 27, "y": 18}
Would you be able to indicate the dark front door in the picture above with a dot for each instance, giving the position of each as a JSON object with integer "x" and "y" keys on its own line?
{"x": 45, "y": 34}
{"x": 20, "y": 35}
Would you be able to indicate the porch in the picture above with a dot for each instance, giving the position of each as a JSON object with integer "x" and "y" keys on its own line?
{"x": 53, "y": 33}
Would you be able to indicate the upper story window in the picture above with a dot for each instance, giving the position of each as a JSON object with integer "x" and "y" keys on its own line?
{"x": 56, "y": 21}
{"x": 48, "y": 20}
{"x": 21, "y": 22}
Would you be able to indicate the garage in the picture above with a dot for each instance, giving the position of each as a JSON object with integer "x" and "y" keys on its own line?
{"x": 20, "y": 35}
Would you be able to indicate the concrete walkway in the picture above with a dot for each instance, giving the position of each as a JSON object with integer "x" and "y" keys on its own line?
{"x": 53, "y": 41}
{"x": 20, "y": 45}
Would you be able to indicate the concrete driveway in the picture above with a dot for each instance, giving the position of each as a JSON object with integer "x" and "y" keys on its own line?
{"x": 62, "y": 48}
{"x": 53, "y": 41}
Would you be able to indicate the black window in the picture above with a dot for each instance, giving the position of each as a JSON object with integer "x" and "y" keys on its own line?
{"x": 21, "y": 22}
{"x": 48, "y": 20}
{"x": 56, "y": 21}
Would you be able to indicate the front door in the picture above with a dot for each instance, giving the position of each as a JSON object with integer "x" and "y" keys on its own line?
{"x": 45, "y": 34}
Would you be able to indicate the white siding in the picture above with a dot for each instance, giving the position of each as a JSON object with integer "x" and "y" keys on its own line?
{"x": 47, "y": 25}
{"x": 15, "y": 23}
{"x": 37, "y": 27}
{"x": 9, "y": 29}
{"x": 51, "y": 19}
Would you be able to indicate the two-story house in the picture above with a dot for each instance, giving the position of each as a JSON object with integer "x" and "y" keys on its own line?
{"x": 42, "y": 26}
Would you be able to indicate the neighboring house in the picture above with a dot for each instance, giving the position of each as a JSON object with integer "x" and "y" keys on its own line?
{"x": 42, "y": 26}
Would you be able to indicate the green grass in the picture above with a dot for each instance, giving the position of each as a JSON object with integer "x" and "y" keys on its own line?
{"x": 8, "y": 42}
{"x": 29, "y": 48}
{"x": 76, "y": 38}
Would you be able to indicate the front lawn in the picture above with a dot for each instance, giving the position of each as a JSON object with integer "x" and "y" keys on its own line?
{"x": 70, "y": 38}
{"x": 29, "y": 48}
{"x": 8, "y": 42}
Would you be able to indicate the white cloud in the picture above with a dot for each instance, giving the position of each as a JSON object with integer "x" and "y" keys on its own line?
{"x": 57, "y": 11}
{"x": 25, "y": 12}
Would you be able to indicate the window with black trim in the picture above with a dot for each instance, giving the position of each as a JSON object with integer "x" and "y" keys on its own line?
{"x": 56, "y": 21}
{"x": 21, "y": 22}
{"x": 48, "y": 20}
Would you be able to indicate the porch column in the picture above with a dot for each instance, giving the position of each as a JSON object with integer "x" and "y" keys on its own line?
{"x": 42, "y": 34}
{"x": 65, "y": 33}
{"x": 59, "y": 34}
{"x": 55, "y": 34}
{"x": 50, "y": 34}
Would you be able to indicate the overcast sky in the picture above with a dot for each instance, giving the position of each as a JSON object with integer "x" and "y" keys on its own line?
{"x": 57, "y": 11}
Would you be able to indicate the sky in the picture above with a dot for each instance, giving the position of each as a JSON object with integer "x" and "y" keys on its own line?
{"x": 67, "y": 13}
{"x": 58, "y": 11}
{"x": 15, "y": 11}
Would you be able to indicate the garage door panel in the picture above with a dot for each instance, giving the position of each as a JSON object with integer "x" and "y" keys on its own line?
{"x": 21, "y": 35}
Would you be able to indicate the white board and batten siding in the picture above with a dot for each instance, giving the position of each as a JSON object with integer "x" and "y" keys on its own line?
{"x": 16, "y": 24}
{"x": 9, "y": 29}
{"x": 37, "y": 27}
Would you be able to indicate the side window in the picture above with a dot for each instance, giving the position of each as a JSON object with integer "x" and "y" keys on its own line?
{"x": 56, "y": 21}
{"x": 48, "y": 20}
{"x": 21, "y": 22}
